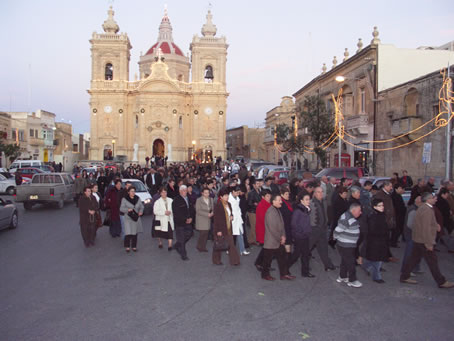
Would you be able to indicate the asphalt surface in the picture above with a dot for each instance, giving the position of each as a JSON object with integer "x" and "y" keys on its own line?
{"x": 53, "y": 288}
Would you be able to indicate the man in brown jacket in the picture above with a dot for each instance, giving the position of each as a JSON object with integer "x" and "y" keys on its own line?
{"x": 274, "y": 241}
{"x": 424, "y": 232}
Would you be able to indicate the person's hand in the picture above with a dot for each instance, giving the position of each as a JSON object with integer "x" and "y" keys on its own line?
{"x": 210, "y": 215}
{"x": 91, "y": 211}
{"x": 438, "y": 228}
{"x": 219, "y": 234}
{"x": 130, "y": 210}
{"x": 360, "y": 260}
{"x": 231, "y": 217}
{"x": 282, "y": 240}
{"x": 430, "y": 248}
{"x": 140, "y": 214}
{"x": 167, "y": 213}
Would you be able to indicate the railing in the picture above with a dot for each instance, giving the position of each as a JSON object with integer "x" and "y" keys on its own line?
{"x": 358, "y": 124}
{"x": 34, "y": 141}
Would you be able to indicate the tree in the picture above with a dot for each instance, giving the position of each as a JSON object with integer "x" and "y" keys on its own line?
{"x": 319, "y": 123}
{"x": 12, "y": 151}
{"x": 285, "y": 136}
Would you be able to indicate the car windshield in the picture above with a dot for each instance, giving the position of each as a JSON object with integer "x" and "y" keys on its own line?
{"x": 139, "y": 186}
{"x": 323, "y": 172}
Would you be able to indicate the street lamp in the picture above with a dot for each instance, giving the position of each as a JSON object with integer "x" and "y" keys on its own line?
{"x": 113, "y": 149}
{"x": 193, "y": 149}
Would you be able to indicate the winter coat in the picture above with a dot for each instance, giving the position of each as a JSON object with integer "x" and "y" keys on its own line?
{"x": 262, "y": 207}
{"x": 287, "y": 215}
{"x": 338, "y": 207}
{"x": 274, "y": 228}
{"x": 220, "y": 223}
{"x": 237, "y": 222}
{"x": 319, "y": 218}
{"x": 161, "y": 219}
{"x": 112, "y": 203}
{"x": 181, "y": 211}
{"x": 132, "y": 227}
{"x": 377, "y": 238}
{"x": 389, "y": 208}
{"x": 202, "y": 221}
{"x": 300, "y": 223}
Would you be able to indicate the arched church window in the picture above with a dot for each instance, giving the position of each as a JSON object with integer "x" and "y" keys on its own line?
{"x": 109, "y": 72}
{"x": 137, "y": 121}
{"x": 180, "y": 123}
{"x": 209, "y": 74}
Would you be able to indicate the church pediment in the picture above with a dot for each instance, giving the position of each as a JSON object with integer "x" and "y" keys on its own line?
{"x": 158, "y": 85}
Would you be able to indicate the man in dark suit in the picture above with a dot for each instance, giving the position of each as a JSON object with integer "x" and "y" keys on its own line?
{"x": 154, "y": 181}
{"x": 183, "y": 216}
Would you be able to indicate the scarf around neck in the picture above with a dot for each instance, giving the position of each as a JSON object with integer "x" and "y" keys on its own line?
{"x": 133, "y": 200}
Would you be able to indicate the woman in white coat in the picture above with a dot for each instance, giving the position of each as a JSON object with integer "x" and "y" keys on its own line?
{"x": 163, "y": 223}
{"x": 237, "y": 222}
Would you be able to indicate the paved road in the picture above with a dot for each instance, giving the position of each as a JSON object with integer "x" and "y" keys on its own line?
{"x": 52, "y": 288}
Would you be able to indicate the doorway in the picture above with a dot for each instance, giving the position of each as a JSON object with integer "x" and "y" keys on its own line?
{"x": 158, "y": 148}
{"x": 108, "y": 154}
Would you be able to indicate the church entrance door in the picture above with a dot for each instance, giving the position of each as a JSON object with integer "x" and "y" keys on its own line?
{"x": 158, "y": 148}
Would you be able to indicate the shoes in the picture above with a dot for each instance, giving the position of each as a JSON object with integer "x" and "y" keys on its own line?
{"x": 355, "y": 284}
{"x": 308, "y": 275}
{"x": 379, "y": 281}
{"x": 160, "y": 246}
{"x": 382, "y": 269}
{"x": 287, "y": 277}
{"x": 412, "y": 274}
{"x": 169, "y": 248}
{"x": 184, "y": 258}
{"x": 218, "y": 263}
{"x": 134, "y": 249}
{"x": 447, "y": 285}
{"x": 128, "y": 249}
{"x": 268, "y": 278}
{"x": 450, "y": 251}
{"x": 408, "y": 281}
{"x": 341, "y": 280}
{"x": 245, "y": 253}
{"x": 330, "y": 268}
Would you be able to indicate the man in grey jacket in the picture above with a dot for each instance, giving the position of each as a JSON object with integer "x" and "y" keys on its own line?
{"x": 274, "y": 241}
{"x": 319, "y": 224}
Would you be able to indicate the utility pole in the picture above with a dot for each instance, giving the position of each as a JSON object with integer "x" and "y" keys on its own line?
{"x": 448, "y": 132}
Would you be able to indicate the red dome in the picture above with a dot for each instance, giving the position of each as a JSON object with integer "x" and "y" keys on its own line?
{"x": 167, "y": 48}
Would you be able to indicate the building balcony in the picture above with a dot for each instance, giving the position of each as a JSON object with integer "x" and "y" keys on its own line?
{"x": 357, "y": 124}
{"x": 268, "y": 138}
{"x": 35, "y": 141}
{"x": 403, "y": 125}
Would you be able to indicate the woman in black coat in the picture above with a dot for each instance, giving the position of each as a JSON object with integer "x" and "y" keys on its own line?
{"x": 376, "y": 241}
{"x": 287, "y": 211}
{"x": 339, "y": 205}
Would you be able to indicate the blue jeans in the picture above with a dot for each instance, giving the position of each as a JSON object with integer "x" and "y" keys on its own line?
{"x": 373, "y": 268}
{"x": 407, "y": 253}
{"x": 240, "y": 243}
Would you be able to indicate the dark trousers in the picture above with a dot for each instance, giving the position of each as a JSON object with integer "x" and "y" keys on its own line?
{"x": 348, "y": 263}
{"x": 419, "y": 251}
{"x": 259, "y": 259}
{"x": 319, "y": 240}
{"x": 183, "y": 234}
{"x": 234, "y": 256}
{"x": 202, "y": 241}
{"x": 130, "y": 240}
{"x": 301, "y": 250}
{"x": 88, "y": 232}
{"x": 268, "y": 255}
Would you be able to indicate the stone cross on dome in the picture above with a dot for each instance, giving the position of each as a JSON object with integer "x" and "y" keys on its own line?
{"x": 159, "y": 54}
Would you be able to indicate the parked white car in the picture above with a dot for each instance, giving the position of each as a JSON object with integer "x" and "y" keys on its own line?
{"x": 7, "y": 186}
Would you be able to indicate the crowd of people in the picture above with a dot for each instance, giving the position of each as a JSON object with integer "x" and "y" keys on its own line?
{"x": 288, "y": 222}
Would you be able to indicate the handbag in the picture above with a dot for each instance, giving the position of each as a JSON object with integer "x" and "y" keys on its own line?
{"x": 133, "y": 215}
{"x": 107, "y": 218}
{"x": 99, "y": 222}
{"x": 220, "y": 244}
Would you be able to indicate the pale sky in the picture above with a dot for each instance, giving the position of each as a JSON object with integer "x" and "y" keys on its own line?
{"x": 276, "y": 47}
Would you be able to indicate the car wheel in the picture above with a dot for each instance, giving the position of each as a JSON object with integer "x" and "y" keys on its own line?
{"x": 10, "y": 190}
{"x": 14, "y": 221}
{"x": 61, "y": 204}
{"x": 28, "y": 206}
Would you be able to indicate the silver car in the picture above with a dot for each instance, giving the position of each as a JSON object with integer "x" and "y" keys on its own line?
{"x": 8, "y": 215}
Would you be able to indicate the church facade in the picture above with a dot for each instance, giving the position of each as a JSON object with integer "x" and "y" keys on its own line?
{"x": 176, "y": 107}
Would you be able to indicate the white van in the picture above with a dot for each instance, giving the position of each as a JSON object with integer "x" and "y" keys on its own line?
{"x": 23, "y": 164}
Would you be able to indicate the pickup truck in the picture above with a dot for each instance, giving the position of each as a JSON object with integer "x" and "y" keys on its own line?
{"x": 46, "y": 188}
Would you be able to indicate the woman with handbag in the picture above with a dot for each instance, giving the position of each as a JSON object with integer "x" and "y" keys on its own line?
{"x": 204, "y": 212}
{"x": 222, "y": 230}
{"x": 87, "y": 209}
{"x": 132, "y": 208}
{"x": 163, "y": 221}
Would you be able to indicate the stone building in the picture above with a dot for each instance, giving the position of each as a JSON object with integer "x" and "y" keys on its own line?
{"x": 245, "y": 142}
{"x": 281, "y": 114}
{"x": 176, "y": 108}
{"x": 406, "y": 107}
{"x": 361, "y": 77}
